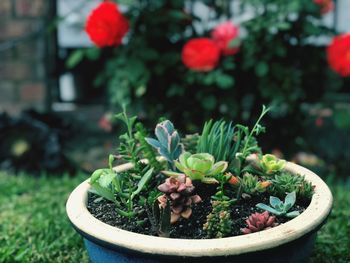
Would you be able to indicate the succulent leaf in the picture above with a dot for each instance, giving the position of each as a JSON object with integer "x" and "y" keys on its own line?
{"x": 200, "y": 166}
{"x": 275, "y": 201}
{"x": 281, "y": 208}
{"x": 270, "y": 164}
{"x": 179, "y": 192}
{"x": 168, "y": 141}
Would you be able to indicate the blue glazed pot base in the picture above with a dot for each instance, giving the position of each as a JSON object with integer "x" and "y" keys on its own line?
{"x": 297, "y": 251}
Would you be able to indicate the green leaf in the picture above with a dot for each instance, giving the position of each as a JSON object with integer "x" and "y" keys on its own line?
{"x": 93, "y": 53}
{"x": 104, "y": 192}
{"x": 97, "y": 174}
{"x": 261, "y": 69}
{"x": 145, "y": 178}
{"x": 225, "y": 81}
{"x": 140, "y": 91}
{"x": 75, "y": 58}
{"x": 209, "y": 102}
{"x": 106, "y": 179}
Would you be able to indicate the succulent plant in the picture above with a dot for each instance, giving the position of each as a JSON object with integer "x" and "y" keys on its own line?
{"x": 270, "y": 164}
{"x": 168, "y": 144}
{"x": 219, "y": 222}
{"x": 287, "y": 182}
{"x": 219, "y": 139}
{"x": 179, "y": 191}
{"x": 190, "y": 142}
{"x": 250, "y": 184}
{"x": 145, "y": 148}
{"x": 199, "y": 166}
{"x": 259, "y": 221}
{"x": 280, "y": 208}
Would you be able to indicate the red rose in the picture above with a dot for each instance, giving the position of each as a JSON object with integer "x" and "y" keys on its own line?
{"x": 200, "y": 54}
{"x": 106, "y": 26}
{"x": 338, "y": 55}
{"x": 225, "y": 36}
{"x": 326, "y": 5}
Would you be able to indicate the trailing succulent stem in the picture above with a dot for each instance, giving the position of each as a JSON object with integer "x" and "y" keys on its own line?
{"x": 219, "y": 222}
{"x": 168, "y": 142}
{"x": 145, "y": 148}
{"x": 120, "y": 188}
{"x": 127, "y": 149}
{"x": 248, "y": 144}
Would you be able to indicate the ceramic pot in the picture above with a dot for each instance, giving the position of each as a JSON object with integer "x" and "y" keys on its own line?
{"x": 291, "y": 242}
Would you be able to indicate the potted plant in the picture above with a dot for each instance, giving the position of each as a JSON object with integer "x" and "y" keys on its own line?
{"x": 212, "y": 197}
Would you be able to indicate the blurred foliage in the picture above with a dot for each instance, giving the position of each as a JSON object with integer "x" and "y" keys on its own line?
{"x": 280, "y": 63}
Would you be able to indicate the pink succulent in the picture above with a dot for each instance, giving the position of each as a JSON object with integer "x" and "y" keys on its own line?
{"x": 179, "y": 192}
{"x": 259, "y": 221}
{"x": 225, "y": 37}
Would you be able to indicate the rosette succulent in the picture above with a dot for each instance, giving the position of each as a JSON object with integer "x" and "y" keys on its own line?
{"x": 259, "y": 221}
{"x": 270, "y": 164}
{"x": 179, "y": 192}
{"x": 199, "y": 166}
{"x": 281, "y": 208}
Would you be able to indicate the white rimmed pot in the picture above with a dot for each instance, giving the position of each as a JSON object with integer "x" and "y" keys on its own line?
{"x": 290, "y": 242}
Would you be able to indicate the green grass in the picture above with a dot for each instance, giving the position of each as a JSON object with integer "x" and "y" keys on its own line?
{"x": 34, "y": 226}
{"x": 33, "y": 223}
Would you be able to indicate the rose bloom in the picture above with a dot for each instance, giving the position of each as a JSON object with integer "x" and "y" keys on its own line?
{"x": 223, "y": 35}
{"x": 106, "y": 26}
{"x": 338, "y": 55}
{"x": 326, "y": 5}
{"x": 200, "y": 54}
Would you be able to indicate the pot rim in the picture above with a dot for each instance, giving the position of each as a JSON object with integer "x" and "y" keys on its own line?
{"x": 89, "y": 226}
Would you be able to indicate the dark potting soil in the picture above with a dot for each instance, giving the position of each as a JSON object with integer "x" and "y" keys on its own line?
{"x": 191, "y": 228}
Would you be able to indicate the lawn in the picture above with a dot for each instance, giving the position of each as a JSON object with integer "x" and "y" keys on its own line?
{"x": 34, "y": 226}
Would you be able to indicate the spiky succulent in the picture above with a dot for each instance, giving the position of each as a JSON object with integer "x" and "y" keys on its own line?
{"x": 287, "y": 182}
{"x": 179, "y": 191}
{"x": 168, "y": 142}
{"x": 259, "y": 221}
{"x": 218, "y": 139}
{"x": 270, "y": 164}
{"x": 250, "y": 184}
{"x": 279, "y": 207}
{"x": 219, "y": 222}
{"x": 190, "y": 142}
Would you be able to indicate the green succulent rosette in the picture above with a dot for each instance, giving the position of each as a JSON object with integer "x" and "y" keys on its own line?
{"x": 199, "y": 166}
{"x": 270, "y": 164}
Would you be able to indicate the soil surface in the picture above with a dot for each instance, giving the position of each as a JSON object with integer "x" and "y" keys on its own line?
{"x": 191, "y": 228}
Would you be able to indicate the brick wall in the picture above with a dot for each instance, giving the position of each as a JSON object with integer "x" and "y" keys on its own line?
{"x": 22, "y": 54}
